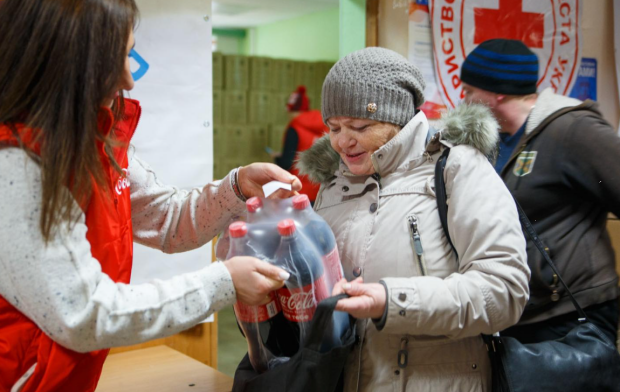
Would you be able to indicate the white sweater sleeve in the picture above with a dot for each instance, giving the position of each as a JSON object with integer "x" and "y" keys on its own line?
{"x": 61, "y": 286}
{"x": 174, "y": 220}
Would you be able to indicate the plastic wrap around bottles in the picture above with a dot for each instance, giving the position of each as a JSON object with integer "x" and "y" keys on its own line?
{"x": 290, "y": 235}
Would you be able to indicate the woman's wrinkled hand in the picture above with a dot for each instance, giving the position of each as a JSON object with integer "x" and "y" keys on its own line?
{"x": 367, "y": 300}
{"x": 254, "y": 279}
{"x": 254, "y": 176}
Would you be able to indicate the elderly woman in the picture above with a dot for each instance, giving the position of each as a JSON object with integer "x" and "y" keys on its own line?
{"x": 421, "y": 308}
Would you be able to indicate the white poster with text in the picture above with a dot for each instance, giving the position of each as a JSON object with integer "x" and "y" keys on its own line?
{"x": 171, "y": 64}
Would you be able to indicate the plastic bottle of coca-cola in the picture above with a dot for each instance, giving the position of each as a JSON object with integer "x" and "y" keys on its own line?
{"x": 264, "y": 238}
{"x": 307, "y": 285}
{"x": 260, "y": 324}
{"x": 320, "y": 234}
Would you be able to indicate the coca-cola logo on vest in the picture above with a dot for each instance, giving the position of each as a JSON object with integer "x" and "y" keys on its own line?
{"x": 122, "y": 183}
{"x": 550, "y": 28}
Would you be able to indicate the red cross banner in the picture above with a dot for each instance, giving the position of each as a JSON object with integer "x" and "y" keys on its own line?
{"x": 550, "y": 28}
{"x": 421, "y": 54}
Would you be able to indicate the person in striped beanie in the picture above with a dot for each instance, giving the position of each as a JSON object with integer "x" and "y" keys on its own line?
{"x": 502, "y": 66}
{"x": 558, "y": 157}
{"x": 502, "y": 74}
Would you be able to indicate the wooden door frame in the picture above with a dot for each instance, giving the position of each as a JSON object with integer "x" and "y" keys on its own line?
{"x": 372, "y": 23}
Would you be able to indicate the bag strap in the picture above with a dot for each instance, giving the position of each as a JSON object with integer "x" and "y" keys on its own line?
{"x": 529, "y": 229}
{"x": 442, "y": 208}
{"x": 322, "y": 320}
{"x": 442, "y": 196}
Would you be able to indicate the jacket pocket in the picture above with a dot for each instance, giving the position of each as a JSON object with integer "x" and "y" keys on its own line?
{"x": 447, "y": 377}
{"x": 449, "y": 366}
{"x": 416, "y": 243}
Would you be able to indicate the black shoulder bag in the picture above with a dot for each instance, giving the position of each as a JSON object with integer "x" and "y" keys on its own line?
{"x": 583, "y": 360}
{"x": 308, "y": 370}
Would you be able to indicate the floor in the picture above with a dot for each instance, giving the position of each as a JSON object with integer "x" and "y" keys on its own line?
{"x": 231, "y": 345}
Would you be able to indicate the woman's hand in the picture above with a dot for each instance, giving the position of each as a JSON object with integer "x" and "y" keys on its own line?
{"x": 254, "y": 176}
{"x": 254, "y": 279}
{"x": 367, "y": 299}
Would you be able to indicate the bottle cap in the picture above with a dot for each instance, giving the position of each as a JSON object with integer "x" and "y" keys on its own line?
{"x": 238, "y": 229}
{"x": 286, "y": 227}
{"x": 301, "y": 202}
{"x": 253, "y": 204}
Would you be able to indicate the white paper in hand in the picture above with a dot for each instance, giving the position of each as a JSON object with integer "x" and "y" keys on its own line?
{"x": 273, "y": 186}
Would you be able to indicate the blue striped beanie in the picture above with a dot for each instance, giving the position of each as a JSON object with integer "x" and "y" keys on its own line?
{"x": 502, "y": 66}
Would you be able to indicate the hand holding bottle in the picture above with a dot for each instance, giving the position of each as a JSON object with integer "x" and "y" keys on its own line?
{"x": 254, "y": 176}
{"x": 254, "y": 279}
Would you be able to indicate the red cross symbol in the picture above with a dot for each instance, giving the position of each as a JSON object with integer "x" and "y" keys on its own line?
{"x": 509, "y": 22}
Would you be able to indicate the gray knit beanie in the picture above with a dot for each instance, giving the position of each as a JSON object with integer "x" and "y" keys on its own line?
{"x": 373, "y": 83}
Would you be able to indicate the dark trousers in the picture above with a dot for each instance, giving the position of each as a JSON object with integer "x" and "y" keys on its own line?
{"x": 604, "y": 316}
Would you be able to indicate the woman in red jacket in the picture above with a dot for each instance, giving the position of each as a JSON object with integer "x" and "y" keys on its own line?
{"x": 306, "y": 127}
{"x": 74, "y": 197}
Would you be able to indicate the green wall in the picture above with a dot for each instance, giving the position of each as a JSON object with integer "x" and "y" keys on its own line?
{"x": 352, "y": 26}
{"x": 312, "y": 37}
{"x": 230, "y": 41}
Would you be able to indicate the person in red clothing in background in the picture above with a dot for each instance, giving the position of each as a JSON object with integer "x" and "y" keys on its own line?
{"x": 305, "y": 128}
{"x": 74, "y": 196}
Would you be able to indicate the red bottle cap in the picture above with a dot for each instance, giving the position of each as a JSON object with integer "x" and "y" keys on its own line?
{"x": 301, "y": 202}
{"x": 286, "y": 227}
{"x": 238, "y": 229}
{"x": 253, "y": 204}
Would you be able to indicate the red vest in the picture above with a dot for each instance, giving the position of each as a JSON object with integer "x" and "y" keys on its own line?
{"x": 310, "y": 127}
{"x": 22, "y": 343}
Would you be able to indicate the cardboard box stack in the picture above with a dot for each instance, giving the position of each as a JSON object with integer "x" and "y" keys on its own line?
{"x": 249, "y": 105}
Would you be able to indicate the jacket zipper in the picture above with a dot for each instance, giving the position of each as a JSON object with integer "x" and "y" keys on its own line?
{"x": 417, "y": 244}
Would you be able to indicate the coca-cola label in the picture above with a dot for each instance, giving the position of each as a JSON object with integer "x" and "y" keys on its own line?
{"x": 257, "y": 314}
{"x": 299, "y": 305}
{"x": 122, "y": 183}
{"x": 331, "y": 261}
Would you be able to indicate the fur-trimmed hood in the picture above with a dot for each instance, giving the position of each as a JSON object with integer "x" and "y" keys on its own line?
{"x": 549, "y": 103}
{"x": 472, "y": 125}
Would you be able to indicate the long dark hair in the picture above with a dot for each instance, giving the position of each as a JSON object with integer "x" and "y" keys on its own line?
{"x": 59, "y": 61}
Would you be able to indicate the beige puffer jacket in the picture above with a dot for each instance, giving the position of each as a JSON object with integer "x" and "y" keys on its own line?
{"x": 437, "y": 306}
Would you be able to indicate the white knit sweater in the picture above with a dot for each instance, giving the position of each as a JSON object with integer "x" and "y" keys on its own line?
{"x": 61, "y": 287}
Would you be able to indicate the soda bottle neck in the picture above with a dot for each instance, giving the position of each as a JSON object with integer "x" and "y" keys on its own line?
{"x": 303, "y": 215}
{"x": 238, "y": 247}
{"x": 254, "y": 216}
{"x": 288, "y": 243}
{"x": 287, "y": 239}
